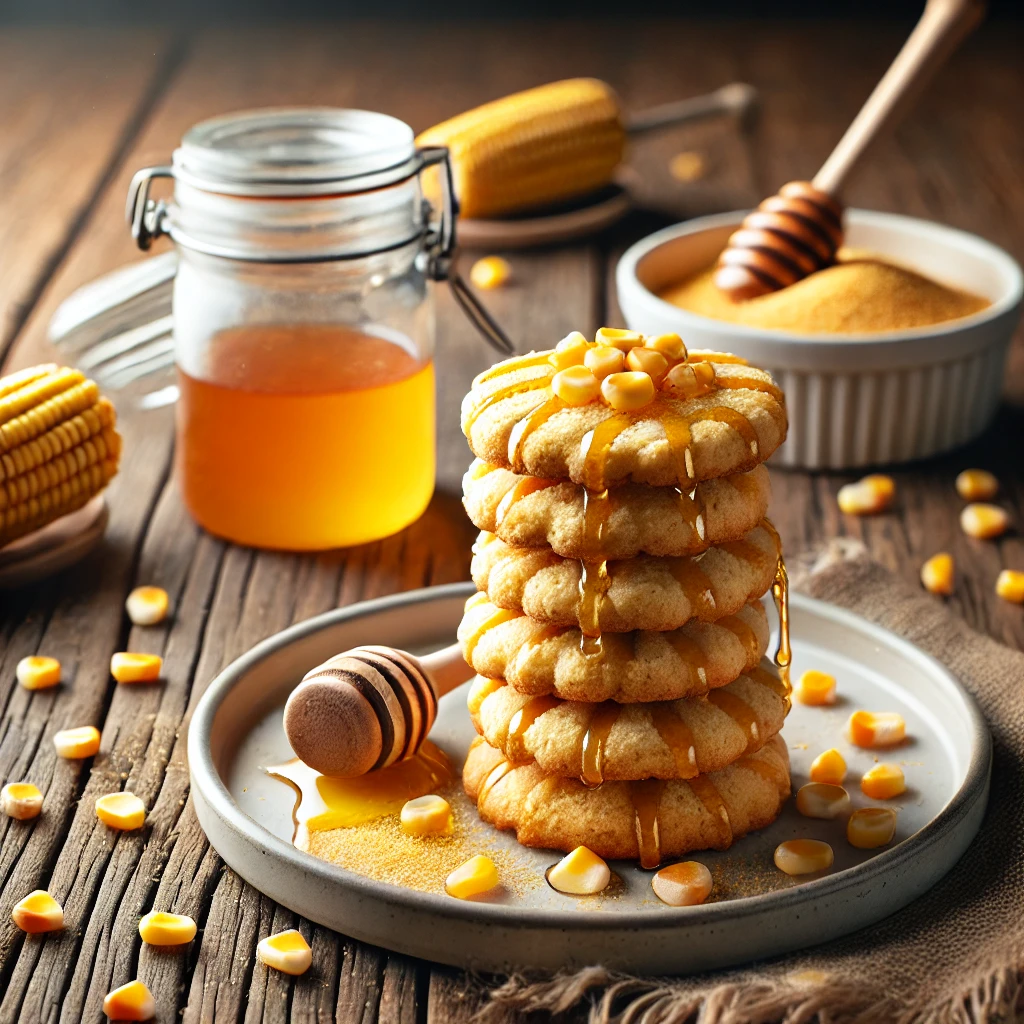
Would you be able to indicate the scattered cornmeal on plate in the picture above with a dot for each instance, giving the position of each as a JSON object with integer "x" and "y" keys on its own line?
{"x": 803, "y": 856}
{"x": 977, "y": 485}
{"x": 871, "y": 729}
{"x": 78, "y": 743}
{"x": 287, "y": 952}
{"x": 871, "y": 827}
{"x": 829, "y": 767}
{"x": 1010, "y": 586}
{"x": 477, "y": 876}
{"x": 129, "y": 667}
{"x": 883, "y": 782}
{"x": 146, "y": 606}
{"x": 38, "y": 672}
{"x": 815, "y": 688}
{"x": 122, "y": 811}
{"x": 869, "y": 496}
{"x": 490, "y": 272}
{"x": 580, "y": 873}
{"x": 822, "y": 800}
{"x": 983, "y": 522}
{"x": 685, "y": 884}
{"x": 429, "y": 815}
{"x": 133, "y": 1001}
{"x": 937, "y": 574}
{"x": 161, "y": 929}
{"x": 21, "y": 800}
{"x": 38, "y": 912}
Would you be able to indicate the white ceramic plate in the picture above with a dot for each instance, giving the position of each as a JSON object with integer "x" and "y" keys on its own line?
{"x": 237, "y": 731}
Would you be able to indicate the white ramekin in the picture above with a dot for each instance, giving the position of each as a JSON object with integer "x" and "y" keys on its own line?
{"x": 854, "y": 399}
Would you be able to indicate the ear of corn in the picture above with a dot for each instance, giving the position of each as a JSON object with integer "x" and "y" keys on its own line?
{"x": 532, "y": 148}
{"x": 58, "y": 446}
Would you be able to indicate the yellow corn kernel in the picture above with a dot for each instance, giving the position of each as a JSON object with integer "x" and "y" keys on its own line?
{"x": 816, "y": 688}
{"x": 576, "y": 385}
{"x": 21, "y": 800}
{"x": 646, "y": 360}
{"x": 698, "y": 355}
{"x": 803, "y": 856}
{"x": 1010, "y": 586}
{"x": 937, "y": 574}
{"x": 604, "y": 361}
{"x": 580, "y": 873}
{"x": 490, "y": 272}
{"x": 883, "y": 782}
{"x": 687, "y": 166}
{"x": 569, "y": 351}
{"x": 829, "y": 767}
{"x": 977, "y": 485}
{"x": 983, "y": 522}
{"x": 477, "y": 876}
{"x": 75, "y": 744}
{"x": 146, "y": 606}
{"x": 616, "y": 337}
{"x": 123, "y": 811}
{"x": 130, "y": 1002}
{"x": 429, "y": 815}
{"x": 129, "y": 667}
{"x": 287, "y": 952}
{"x": 627, "y": 391}
{"x": 670, "y": 346}
{"x": 876, "y": 728}
{"x": 872, "y": 494}
{"x": 822, "y": 800}
{"x": 38, "y": 912}
{"x": 685, "y": 884}
{"x": 690, "y": 380}
{"x": 160, "y": 929}
{"x": 871, "y": 827}
{"x": 38, "y": 672}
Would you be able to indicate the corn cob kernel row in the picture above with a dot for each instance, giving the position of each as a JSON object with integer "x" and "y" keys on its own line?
{"x": 35, "y": 409}
{"x": 22, "y": 378}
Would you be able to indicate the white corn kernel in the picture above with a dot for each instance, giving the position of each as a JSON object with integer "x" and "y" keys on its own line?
{"x": 21, "y": 800}
{"x": 822, "y": 800}
{"x": 130, "y": 1002}
{"x": 427, "y": 816}
{"x": 287, "y": 952}
{"x": 690, "y": 380}
{"x": 883, "y": 782}
{"x": 977, "y": 485}
{"x": 815, "y": 688}
{"x": 829, "y": 767}
{"x": 580, "y": 873}
{"x": 937, "y": 574}
{"x": 490, "y": 272}
{"x": 872, "y": 494}
{"x": 160, "y": 929}
{"x": 146, "y": 606}
{"x": 477, "y": 876}
{"x": 871, "y": 827}
{"x": 615, "y": 337}
{"x": 75, "y": 744}
{"x": 123, "y": 811}
{"x": 129, "y": 667}
{"x": 803, "y": 856}
{"x": 38, "y": 672}
{"x": 645, "y": 360}
{"x": 983, "y": 522}
{"x": 38, "y": 912}
{"x": 603, "y": 361}
{"x": 627, "y": 391}
{"x": 576, "y": 385}
{"x": 669, "y": 345}
{"x": 569, "y": 351}
{"x": 685, "y": 884}
{"x": 876, "y": 728}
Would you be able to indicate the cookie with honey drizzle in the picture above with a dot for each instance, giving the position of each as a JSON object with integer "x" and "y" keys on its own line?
{"x": 732, "y": 418}
{"x": 537, "y": 658}
{"x": 533, "y": 512}
{"x": 650, "y": 820}
{"x": 644, "y": 592}
{"x": 604, "y": 742}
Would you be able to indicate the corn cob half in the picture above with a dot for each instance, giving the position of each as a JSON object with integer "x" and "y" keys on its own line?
{"x": 532, "y": 148}
{"x": 58, "y": 446}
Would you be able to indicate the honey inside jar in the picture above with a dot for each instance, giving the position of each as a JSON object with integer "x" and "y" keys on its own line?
{"x": 306, "y": 436}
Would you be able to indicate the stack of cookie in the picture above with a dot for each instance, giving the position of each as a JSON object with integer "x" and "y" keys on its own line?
{"x": 623, "y": 699}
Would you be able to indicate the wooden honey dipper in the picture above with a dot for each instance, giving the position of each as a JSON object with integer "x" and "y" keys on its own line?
{"x": 369, "y": 707}
{"x": 796, "y": 232}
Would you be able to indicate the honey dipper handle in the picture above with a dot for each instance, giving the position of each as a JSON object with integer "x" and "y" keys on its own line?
{"x": 736, "y": 98}
{"x": 943, "y": 25}
{"x": 446, "y": 669}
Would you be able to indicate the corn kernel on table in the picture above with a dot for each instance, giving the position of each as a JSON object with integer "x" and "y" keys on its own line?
{"x": 106, "y": 101}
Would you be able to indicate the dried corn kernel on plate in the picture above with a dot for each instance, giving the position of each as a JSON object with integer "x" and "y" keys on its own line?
{"x": 388, "y": 887}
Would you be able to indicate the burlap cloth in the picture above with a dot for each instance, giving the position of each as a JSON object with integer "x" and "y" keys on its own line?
{"x": 954, "y": 956}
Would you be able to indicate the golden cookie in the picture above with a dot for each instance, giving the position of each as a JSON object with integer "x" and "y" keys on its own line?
{"x": 512, "y": 419}
{"x": 535, "y": 658}
{"x": 636, "y": 593}
{"x": 532, "y": 512}
{"x": 664, "y": 740}
{"x": 650, "y": 820}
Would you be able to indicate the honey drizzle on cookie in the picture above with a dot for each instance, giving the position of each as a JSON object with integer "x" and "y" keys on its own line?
{"x": 707, "y": 793}
{"x": 678, "y": 737}
{"x": 740, "y": 712}
{"x": 691, "y": 654}
{"x": 526, "y": 426}
{"x": 521, "y": 721}
{"x": 520, "y": 387}
{"x": 743, "y": 633}
{"x": 480, "y": 692}
{"x": 780, "y": 593}
{"x": 496, "y": 618}
{"x": 523, "y": 487}
{"x": 602, "y": 717}
{"x": 646, "y": 799}
{"x": 496, "y": 774}
{"x": 763, "y": 768}
{"x": 531, "y": 359}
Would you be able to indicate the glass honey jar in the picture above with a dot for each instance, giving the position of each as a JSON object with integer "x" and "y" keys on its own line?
{"x": 303, "y": 322}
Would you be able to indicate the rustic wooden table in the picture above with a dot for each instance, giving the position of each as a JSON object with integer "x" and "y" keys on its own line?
{"x": 80, "y": 111}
